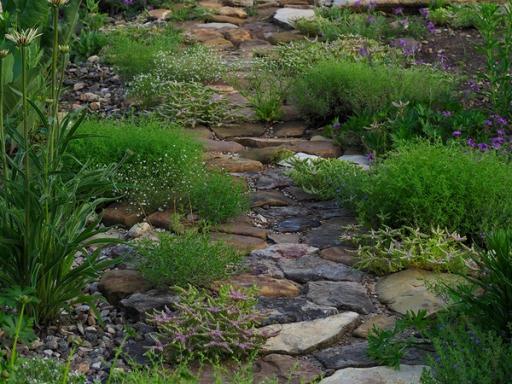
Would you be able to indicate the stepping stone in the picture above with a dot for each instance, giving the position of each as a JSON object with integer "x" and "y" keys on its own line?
{"x": 244, "y": 244}
{"x": 407, "y": 374}
{"x": 290, "y": 129}
{"x": 382, "y": 321}
{"x": 238, "y": 36}
{"x": 234, "y": 165}
{"x": 226, "y": 19}
{"x": 284, "y": 238}
{"x": 137, "y": 305}
{"x": 256, "y": 142}
{"x": 233, "y": 12}
{"x": 318, "y": 148}
{"x": 290, "y": 113}
{"x": 213, "y": 5}
{"x": 221, "y": 146}
{"x": 286, "y": 310}
{"x": 241, "y": 129}
{"x": 160, "y": 219}
{"x": 121, "y": 214}
{"x": 239, "y": 3}
{"x": 360, "y": 160}
{"x": 328, "y": 234}
{"x": 344, "y": 356}
{"x": 306, "y": 336}
{"x": 261, "y": 266}
{"x": 283, "y": 212}
{"x": 285, "y": 251}
{"x": 312, "y": 268}
{"x": 215, "y": 26}
{"x": 270, "y": 198}
{"x": 118, "y": 284}
{"x": 297, "y": 224}
{"x": 272, "y": 180}
{"x": 298, "y": 193}
{"x": 219, "y": 43}
{"x": 159, "y": 14}
{"x": 288, "y": 16}
{"x": 202, "y": 35}
{"x": 267, "y": 286}
{"x": 345, "y": 295}
{"x": 407, "y": 290}
{"x": 265, "y": 155}
{"x": 339, "y": 254}
{"x": 241, "y": 228}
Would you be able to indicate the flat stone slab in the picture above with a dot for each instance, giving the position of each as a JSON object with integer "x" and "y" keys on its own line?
{"x": 297, "y": 224}
{"x": 221, "y": 146}
{"x": 267, "y": 286}
{"x": 244, "y": 244}
{"x": 312, "y": 268}
{"x": 285, "y": 251}
{"x": 407, "y": 374}
{"x": 271, "y": 180}
{"x": 306, "y": 336}
{"x": 288, "y": 16}
{"x": 291, "y": 310}
{"x": 244, "y": 229}
{"x": 290, "y": 128}
{"x": 380, "y": 321}
{"x": 328, "y": 234}
{"x": 241, "y": 129}
{"x": 407, "y": 290}
{"x": 339, "y": 254}
{"x": 233, "y": 164}
{"x": 345, "y": 295}
{"x": 215, "y": 26}
{"x": 312, "y": 148}
{"x": 360, "y": 160}
{"x": 270, "y": 198}
{"x": 121, "y": 214}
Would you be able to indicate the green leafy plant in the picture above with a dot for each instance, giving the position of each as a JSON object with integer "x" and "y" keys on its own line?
{"x": 426, "y": 185}
{"x": 38, "y": 370}
{"x": 466, "y": 354}
{"x": 88, "y": 44}
{"x": 328, "y": 179}
{"x": 207, "y": 327}
{"x": 334, "y": 89}
{"x": 190, "y": 258}
{"x": 388, "y": 250}
{"x": 455, "y": 15}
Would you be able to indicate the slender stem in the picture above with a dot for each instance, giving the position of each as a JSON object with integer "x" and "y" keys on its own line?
{"x": 54, "y": 74}
{"x": 19, "y": 323}
{"x": 26, "y": 136}
{"x": 2, "y": 128}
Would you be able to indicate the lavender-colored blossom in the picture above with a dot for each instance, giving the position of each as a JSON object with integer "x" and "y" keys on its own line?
{"x": 398, "y": 11}
{"x": 213, "y": 309}
{"x": 404, "y": 22}
{"x": 483, "y": 147}
{"x": 473, "y": 85}
{"x": 456, "y": 133}
{"x": 431, "y": 27}
{"x": 471, "y": 142}
{"x": 425, "y": 12}
{"x": 128, "y": 2}
{"x": 500, "y": 120}
{"x": 216, "y": 333}
{"x": 488, "y": 123}
{"x": 497, "y": 142}
{"x": 447, "y": 113}
{"x": 237, "y": 295}
{"x": 371, "y": 19}
{"x": 372, "y": 5}
{"x": 363, "y": 51}
{"x": 336, "y": 125}
{"x": 357, "y": 3}
{"x": 500, "y": 132}
{"x": 180, "y": 337}
{"x": 371, "y": 157}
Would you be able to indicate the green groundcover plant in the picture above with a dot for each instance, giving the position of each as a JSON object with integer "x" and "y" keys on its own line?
{"x": 424, "y": 185}
{"x": 189, "y": 258}
{"x": 339, "y": 88}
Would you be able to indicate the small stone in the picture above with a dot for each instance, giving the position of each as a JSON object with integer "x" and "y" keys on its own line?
{"x": 221, "y": 146}
{"x": 118, "y": 284}
{"x": 360, "y": 160}
{"x": 284, "y": 238}
{"x": 219, "y": 43}
{"x": 159, "y": 14}
{"x": 232, "y": 11}
{"x": 95, "y": 106}
{"x": 346, "y": 295}
{"x": 238, "y": 36}
{"x": 240, "y": 129}
{"x": 79, "y": 86}
{"x": 139, "y": 230}
{"x": 352, "y": 355}
{"x": 288, "y": 16}
{"x": 89, "y": 96}
{"x": 120, "y": 214}
{"x": 285, "y": 251}
{"x": 339, "y": 254}
{"x": 269, "y": 198}
{"x": 215, "y": 26}
{"x": 328, "y": 234}
{"x": 240, "y": 3}
{"x": 230, "y": 164}
{"x": 241, "y": 228}
{"x": 290, "y": 129}
{"x": 160, "y": 219}
{"x": 306, "y": 336}
{"x": 93, "y": 59}
{"x": 138, "y": 304}
{"x": 384, "y": 322}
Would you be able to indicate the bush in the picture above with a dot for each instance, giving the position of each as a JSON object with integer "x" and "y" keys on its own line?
{"x": 42, "y": 371}
{"x": 147, "y": 43}
{"x": 185, "y": 259}
{"x": 217, "y": 197}
{"x": 388, "y": 250}
{"x": 430, "y": 185}
{"x": 328, "y": 179}
{"x": 207, "y": 327}
{"x": 157, "y": 164}
{"x": 334, "y": 89}
{"x": 465, "y": 354}
{"x": 455, "y": 16}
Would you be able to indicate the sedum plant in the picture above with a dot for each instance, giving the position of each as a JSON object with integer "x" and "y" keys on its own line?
{"x": 208, "y": 327}
{"x": 46, "y": 210}
{"x": 388, "y": 250}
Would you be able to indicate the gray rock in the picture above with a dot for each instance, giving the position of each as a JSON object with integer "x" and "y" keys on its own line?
{"x": 138, "y": 304}
{"x": 360, "y": 160}
{"x": 297, "y": 224}
{"x": 291, "y": 310}
{"x": 328, "y": 234}
{"x": 312, "y": 268}
{"x": 263, "y": 266}
{"x": 215, "y": 26}
{"x": 344, "y": 356}
{"x": 288, "y": 16}
{"x": 407, "y": 374}
{"x": 346, "y": 295}
{"x": 285, "y": 251}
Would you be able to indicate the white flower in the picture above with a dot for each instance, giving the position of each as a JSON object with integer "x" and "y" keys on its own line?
{"x": 23, "y": 37}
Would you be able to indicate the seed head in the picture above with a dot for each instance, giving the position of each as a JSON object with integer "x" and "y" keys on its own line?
{"x": 23, "y": 37}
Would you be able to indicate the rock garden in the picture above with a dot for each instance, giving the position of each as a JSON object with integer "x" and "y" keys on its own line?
{"x": 255, "y": 191}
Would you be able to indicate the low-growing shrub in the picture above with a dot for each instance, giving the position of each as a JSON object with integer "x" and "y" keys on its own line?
{"x": 157, "y": 164}
{"x": 388, "y": 250}
{"x": 455, "y": 15}
{"x": 207, "y": 327}
{"x": 426, "y": 185}
{"x": 190, "y": 258}
{"x": 467, "y": 354}
{"x": 328, "y": 179}
{"x": 218, "y": 196}
{"x": 38, "y": 370}
{"x": 335, "y": 89}
{"x": 133, "y": 50}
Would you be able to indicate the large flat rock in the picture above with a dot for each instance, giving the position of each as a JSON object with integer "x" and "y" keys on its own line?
{"x": 233, "y": 164}
{"x": 312, "y": 268}
{"x": 267, "y": 286}
{"x": 407, "y": 374}
{"x": 347, "y": 295}
{"x": 244, "y": 244}
{"x": 408, "y": 290}
{"x": 288, "y": 16}
{"x": 306, "y": 336}
{"x": 291, "y": 310}
{"x": 240, "y": 129}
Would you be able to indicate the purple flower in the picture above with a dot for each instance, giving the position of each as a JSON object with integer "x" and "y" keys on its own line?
{"x": 370, "y": 19}
{"x": 372, "y": 5}
{"x": 447, "y": 113}
{"x": 500, "y": 120}
{"x": 488, "y": 123}
{"x": 471, "y": 142}
{"x": 497, "y": 142}
{"x": 216, "y": 333}
{"x": 213, "y": 309}
{"x": 237, "y": 295}
{"x": 500, "y": 132}
{"x": 128, "y": 2}
{"x": 371, "y": 157}
{"x": 398, "y": 11}
{"x": 180, "y": 337}
{"x": 404, "y": 22}
{"x": 483, "y": 147}
{"x": 456, "y": 133}
{"x": 424, "y": 12}
{"x": 336, "y": 124}
{"x": 363, "y": 51}
{"x": 473, "y": 85}
{"x": 431, "y": 27}
{"x": 357, "y": 3}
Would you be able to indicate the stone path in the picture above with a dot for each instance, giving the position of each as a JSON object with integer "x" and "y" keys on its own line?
{"x": 322, "y": 307}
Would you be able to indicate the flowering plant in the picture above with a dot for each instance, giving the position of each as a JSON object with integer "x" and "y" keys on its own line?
{"x": 207, "y": 327}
